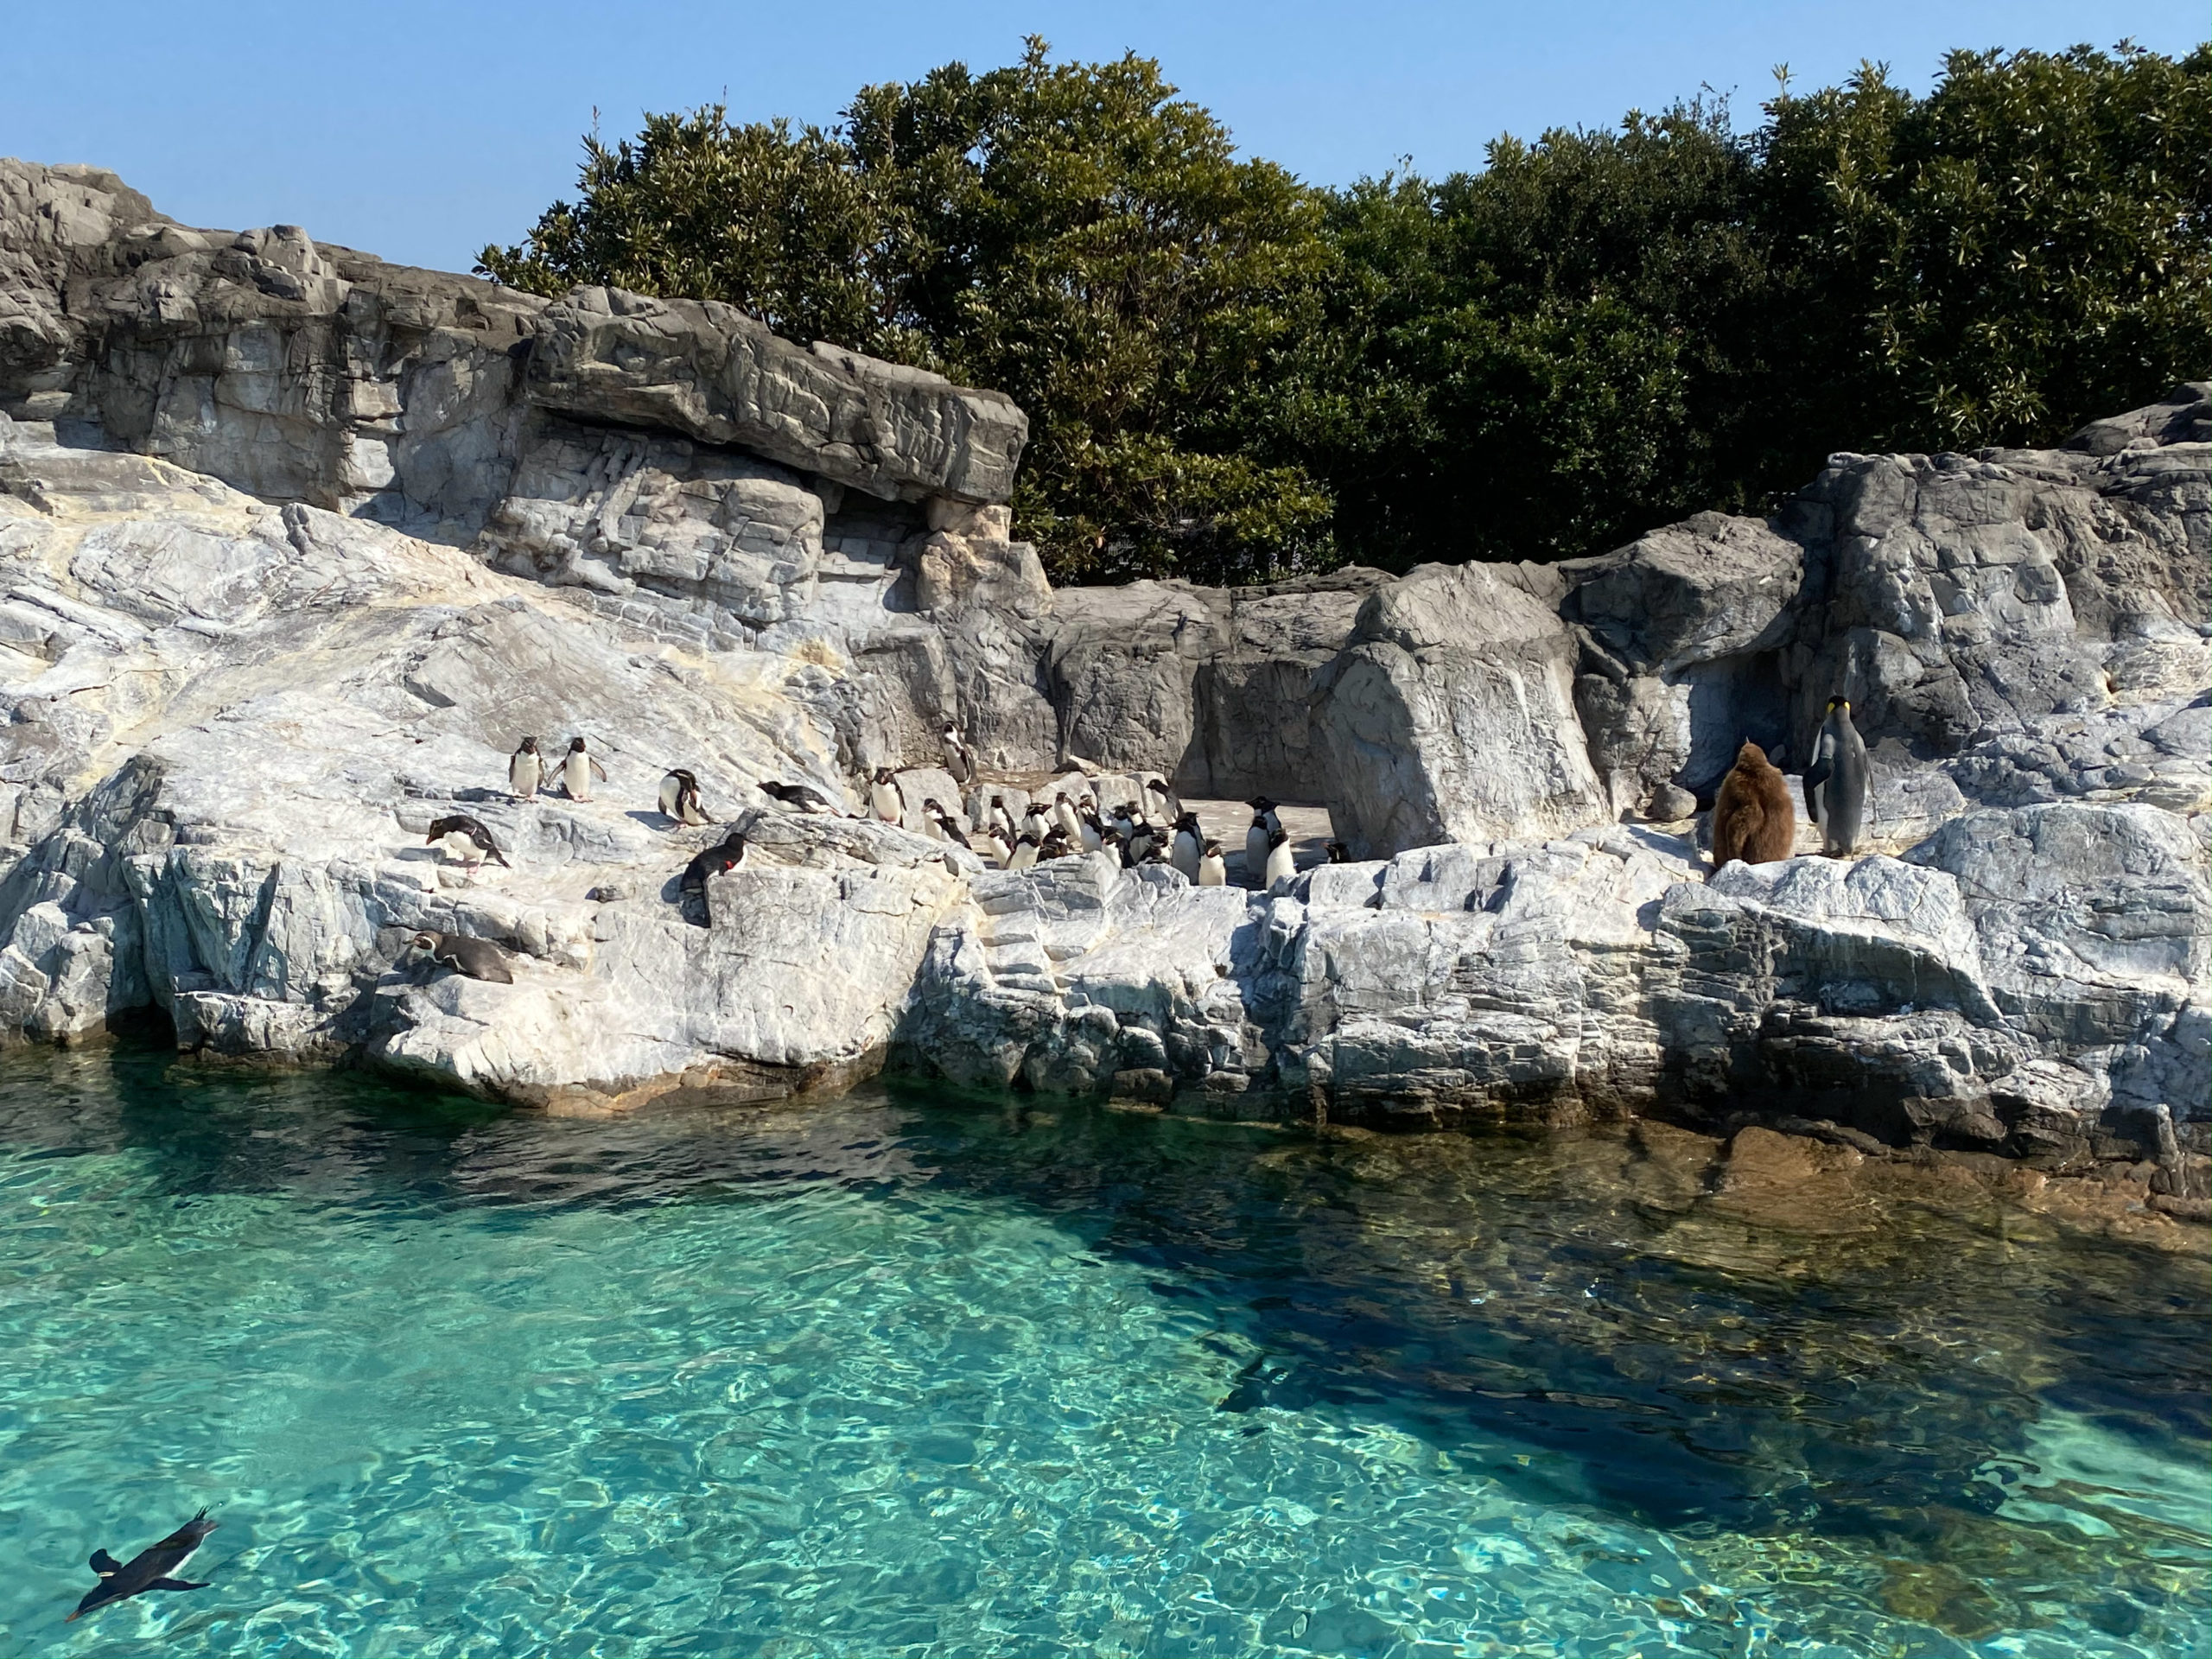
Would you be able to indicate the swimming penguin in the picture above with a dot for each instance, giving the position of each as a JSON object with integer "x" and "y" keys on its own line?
{"x": 884, "y": 798}
{"x": 1024, "y": 855}
{"x": 1280, "y": 865}
{"x": 1836, "y": 782}
{"x": 1752, "y": 819}
{"x": 959, "y": 759}
{"x": 692, "y": 889}
{"x": 1339, "y": 853}
{"x": 1213, "y": 869}
{"x": 1188, "y": 842}
{"x": 800, "y": 798}
{"x": 944, "y": 823}
{"x": 470, "y": 831}
{"x": 148, "y": 1570}
{"x": 679, "y": 797}
{"x": 473, "y": 958}
{"x": 578, "y": 769}
{"x": 525, "y": 771}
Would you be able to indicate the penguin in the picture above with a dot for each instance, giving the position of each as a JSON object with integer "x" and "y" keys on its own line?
{"x": 679, "y": 797}
{"x": 1037, "y": 821}
{"x": 988, "y": 844}
{"x": 1280, "y": 865}
{"x": 472, "y": 958}
{"x": 148, "y": 1570}
{"x": 470, "y": 831}
{"x": 884, "y": 798}
{"x": 1213, "y": 869}
{"x": 1752, "y": 819}
{"x": 1111, "y": 848}
{"x": 1000, "y": 821}
{"x": 1836, "y": 782}
{"x": 947, "y": 827}
{"x": 1264, "y": 824}
{"x": 1143, "y": 838}
{"x": 1056, "y": 844}
{"x": 1188, "y": 841}
{"x": 692, "y": 888}
{"x": 1339, "y": 853}
{"x": 1159, "y": 801}
{"x": 959, "y": 759}
{"x": 1064, "y": 815}
{"x": 578, "y": 769}
{"x": 525, "y": 771}
{"x": 800, "y": 798}
{"x": 1089, "y": 830}
{"x": 1024, "y": 855}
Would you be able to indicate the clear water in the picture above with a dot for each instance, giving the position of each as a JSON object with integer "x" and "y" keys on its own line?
{"x": 909, "y": 1373}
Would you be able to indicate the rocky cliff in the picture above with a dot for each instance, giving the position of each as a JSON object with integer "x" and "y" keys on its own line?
{"x": 294, "y": 545}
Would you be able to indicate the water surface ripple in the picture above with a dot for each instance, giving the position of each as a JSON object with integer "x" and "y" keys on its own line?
{"x": 913, "y": 1374}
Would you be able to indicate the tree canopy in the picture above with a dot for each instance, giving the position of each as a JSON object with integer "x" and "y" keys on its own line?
{"x": 1233, "y": 375}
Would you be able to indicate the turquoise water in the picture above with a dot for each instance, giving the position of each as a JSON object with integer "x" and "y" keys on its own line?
{"x": 909, "y": 1373}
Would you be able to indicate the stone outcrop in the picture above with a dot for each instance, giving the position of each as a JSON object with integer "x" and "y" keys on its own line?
{"x": 293, "y": 545}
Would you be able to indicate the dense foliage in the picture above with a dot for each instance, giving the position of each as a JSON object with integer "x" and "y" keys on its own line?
{"x": 1232, "y": 376}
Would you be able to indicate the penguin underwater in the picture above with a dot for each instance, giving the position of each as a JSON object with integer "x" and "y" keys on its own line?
{"x": 1837, "y": 781}
{"x": 148, "y": 1570}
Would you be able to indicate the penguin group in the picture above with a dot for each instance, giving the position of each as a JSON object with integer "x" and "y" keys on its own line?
{"x": 1753, "y": 819}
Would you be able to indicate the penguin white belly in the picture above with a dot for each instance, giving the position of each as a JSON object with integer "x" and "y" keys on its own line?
{"x": 523, "y": 775}
{"x": 1064, "y": 815}
{"x": 1213, "y": 872}
{"x": 671, "y": 799}
{"x": 884, "y": 799}
{"x": 1092, "y": 839}
{"x": 1280, "y": 865}
{"x": 1185, "y": 855}
{"x": 1023, "y": 857}
{"x": 689, "y": 810}
{"x": 576, "y": 776}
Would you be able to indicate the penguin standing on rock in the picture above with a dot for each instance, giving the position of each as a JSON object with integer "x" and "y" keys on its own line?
{"x": 959, "y": 759}
{"x": 1281, "y": 863}
{"x": 1836, "y": 783}
{"x": 679, "y": 797}
{"x": 1089, "y": 830}
{"x": 1112, "y": 849}
{"x": 1064, "y": 815}
{"x": 1265, "y": 824}
{"x": 1186, "y": 852}
{"x": 472, "y": 833}
{"x": 578, "y": 769}
{"x": 1213, "y": 869}
{"x": 1339, "y": 853}
{"x": 1024, "y": 855}
{"x": 947, "y": 827}
{"x": 472, "y": 958}
{"x": 885, "y": 798}
{"x": 1752, "y": 818}
{"x": 525, "y": 771}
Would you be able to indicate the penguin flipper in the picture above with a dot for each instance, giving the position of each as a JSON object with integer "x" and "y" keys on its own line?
{"x": 1815, "y": 775}
{"x": 597, "y": 771}
{"x": 179, "y": 1583}
{"x": 103, "y": 1564}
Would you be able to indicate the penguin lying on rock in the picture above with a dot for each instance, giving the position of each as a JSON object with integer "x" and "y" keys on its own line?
{"x": 475, "y": 958}
{"x": 469, "y": 831}
{"x": 800, "y": 798}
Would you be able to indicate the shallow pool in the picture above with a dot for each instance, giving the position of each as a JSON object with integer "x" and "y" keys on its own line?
{"x": 910, "y": 1373}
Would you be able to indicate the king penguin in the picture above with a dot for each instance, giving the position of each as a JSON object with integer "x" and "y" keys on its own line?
{"x": 525, "y": 771}
{"x": 1836, "y": 782}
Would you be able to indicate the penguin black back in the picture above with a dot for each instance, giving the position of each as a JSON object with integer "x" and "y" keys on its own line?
{"x": 148, "y": 1570}
{"x": 470, "y": 830}
{"x": 472, "y": 958}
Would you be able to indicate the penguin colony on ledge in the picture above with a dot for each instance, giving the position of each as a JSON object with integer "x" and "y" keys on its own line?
{"x": 1752, "y": 820}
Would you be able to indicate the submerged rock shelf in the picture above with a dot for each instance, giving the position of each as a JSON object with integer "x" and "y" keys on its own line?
{"x": 295, "y": 546}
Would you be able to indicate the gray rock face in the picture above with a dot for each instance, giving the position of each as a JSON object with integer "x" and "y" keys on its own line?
{"x": 1450, "y": 714}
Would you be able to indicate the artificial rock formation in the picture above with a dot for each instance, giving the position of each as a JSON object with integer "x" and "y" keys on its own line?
{"x": 294, "y": 545}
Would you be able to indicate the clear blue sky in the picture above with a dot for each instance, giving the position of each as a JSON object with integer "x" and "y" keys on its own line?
{"x": 421, "y": 131}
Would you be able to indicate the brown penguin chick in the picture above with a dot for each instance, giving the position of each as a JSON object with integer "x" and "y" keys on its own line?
{"x": 1753, "y": 819}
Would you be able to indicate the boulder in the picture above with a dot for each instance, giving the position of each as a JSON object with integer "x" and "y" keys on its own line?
{"x": 1450, "y": 714}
